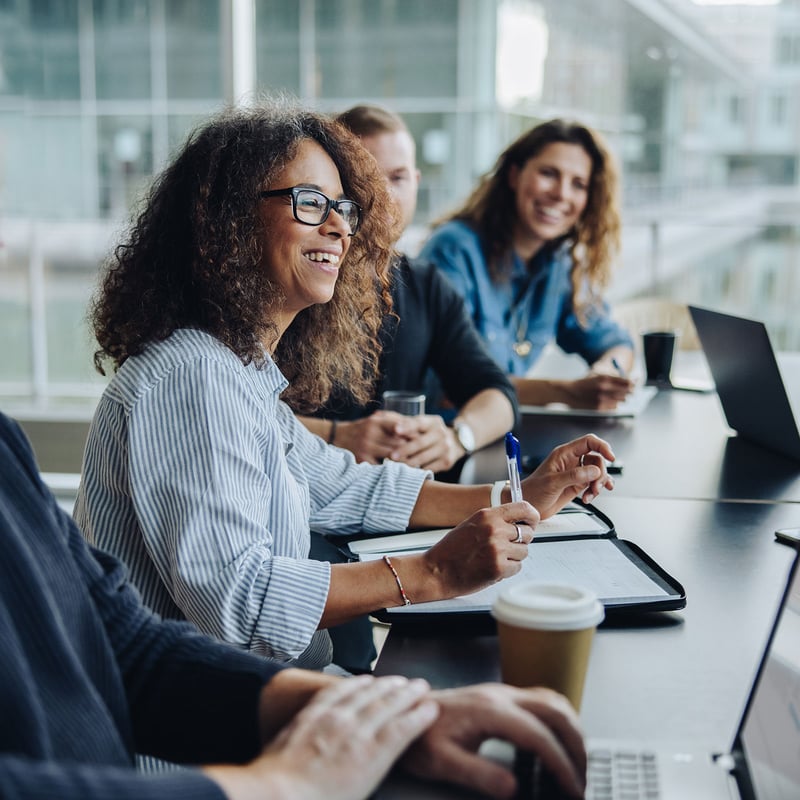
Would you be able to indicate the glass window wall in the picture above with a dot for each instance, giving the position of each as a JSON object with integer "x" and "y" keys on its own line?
{"x": 50, "y": 68}
{"x": 387, "y": 48}
{"x": 15, "y": 320}
{"x": 279, "y": 63}
{"x": 121, "y": 35}
{"x": 193, "y": 50}
{"x": 698, "y": 102}
{"x": 124, "y": 161}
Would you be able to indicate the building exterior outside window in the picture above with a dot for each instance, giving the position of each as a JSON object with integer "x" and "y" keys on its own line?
{"x": 95, "y": 95}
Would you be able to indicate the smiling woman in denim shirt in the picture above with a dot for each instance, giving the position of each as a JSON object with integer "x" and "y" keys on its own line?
{"x": 531, "y": 252}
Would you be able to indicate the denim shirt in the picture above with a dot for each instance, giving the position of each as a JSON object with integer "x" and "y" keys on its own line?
{"x": 534, "y": 306}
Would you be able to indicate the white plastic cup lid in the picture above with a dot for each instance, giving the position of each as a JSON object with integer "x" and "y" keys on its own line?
{"x": 548, "y": 606}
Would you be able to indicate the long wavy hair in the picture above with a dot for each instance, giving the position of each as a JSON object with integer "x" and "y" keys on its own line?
{"x": 192, "y": 258}
{"x": 595, "y": 239}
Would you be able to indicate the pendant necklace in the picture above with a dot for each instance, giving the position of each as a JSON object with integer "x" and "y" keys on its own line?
{"x": 521, "y": 313}
{"x": 522, "y": 348}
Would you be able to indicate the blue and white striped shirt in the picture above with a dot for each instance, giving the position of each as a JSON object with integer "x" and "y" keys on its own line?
{"x": 201, "y": 479}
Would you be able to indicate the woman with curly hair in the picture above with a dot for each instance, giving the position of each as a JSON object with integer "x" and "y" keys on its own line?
{"x": 257, "y": 272}
{"x": 531, "y": 252}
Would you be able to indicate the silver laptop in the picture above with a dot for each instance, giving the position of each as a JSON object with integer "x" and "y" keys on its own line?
{"x": 748, "y": 379}
{"x": 763, "y": 763}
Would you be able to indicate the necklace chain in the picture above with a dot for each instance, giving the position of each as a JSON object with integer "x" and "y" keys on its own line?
{"x": 522, "y": 348}
{"x": 522, "y": 311}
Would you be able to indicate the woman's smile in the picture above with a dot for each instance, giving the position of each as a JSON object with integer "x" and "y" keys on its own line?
{"x": 328, "y": 258}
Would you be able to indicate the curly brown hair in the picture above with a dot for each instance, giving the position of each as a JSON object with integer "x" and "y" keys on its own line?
{"x": 192, "y": 257}
{"x": 596, "y": 238}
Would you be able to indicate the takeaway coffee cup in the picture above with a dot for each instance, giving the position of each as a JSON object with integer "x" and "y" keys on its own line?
{"x": 409, "y": 403}
{"x": 545, "y": 632}
{"x": 658, "y": 348}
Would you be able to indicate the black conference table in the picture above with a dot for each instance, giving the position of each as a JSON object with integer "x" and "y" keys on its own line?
{"x": 679, "y": 675}
{"x": 678, "y": 447}
{"x": 704, "y": 504}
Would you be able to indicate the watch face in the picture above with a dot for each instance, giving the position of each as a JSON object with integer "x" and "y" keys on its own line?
{"x": 465, "y": 437}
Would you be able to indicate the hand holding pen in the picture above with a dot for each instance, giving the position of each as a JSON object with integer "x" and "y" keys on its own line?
{"x": 603, "y": 388}
{"x": 575, "y": 469}
{"x": 623, "y": 373}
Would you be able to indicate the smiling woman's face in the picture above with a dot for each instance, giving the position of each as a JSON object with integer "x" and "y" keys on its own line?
{"x": 304, "y": 260}
{"x": 551, "y": 191}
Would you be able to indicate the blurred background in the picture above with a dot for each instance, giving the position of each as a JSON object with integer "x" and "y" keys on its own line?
{"x": 698, "y": 99}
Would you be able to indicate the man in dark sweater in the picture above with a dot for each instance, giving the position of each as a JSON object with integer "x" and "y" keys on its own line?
{"x": 88, "y": 677}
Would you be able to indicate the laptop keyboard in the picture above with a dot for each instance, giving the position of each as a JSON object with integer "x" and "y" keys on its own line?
{"x": 612, "y": 775}
{"x": 622, "y": 775}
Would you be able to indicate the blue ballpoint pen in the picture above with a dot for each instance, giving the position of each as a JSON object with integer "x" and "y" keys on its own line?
{"x": 513, "y": 462}
{"x": 619, "y": 368}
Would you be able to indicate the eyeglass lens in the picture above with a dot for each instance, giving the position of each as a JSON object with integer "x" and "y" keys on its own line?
{"x": 313, "y": 207}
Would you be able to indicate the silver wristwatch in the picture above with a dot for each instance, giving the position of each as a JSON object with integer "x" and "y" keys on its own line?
{"x": 465, "y": 436}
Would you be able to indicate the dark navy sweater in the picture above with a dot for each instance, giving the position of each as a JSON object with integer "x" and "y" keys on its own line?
{"x": 88, "y": 676}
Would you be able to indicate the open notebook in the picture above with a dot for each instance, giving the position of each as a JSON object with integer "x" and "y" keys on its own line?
{"x": 578, "y": 545}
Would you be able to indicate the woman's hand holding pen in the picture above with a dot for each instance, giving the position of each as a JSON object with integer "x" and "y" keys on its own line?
{"x": 486, "y": 547}
{"x": 606, "y": 386}
{"x": 602, "y": 391}
{"x": 574, "y": 469}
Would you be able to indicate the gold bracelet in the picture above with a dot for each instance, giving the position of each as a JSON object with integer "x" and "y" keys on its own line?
{"x": 406, "y": 601}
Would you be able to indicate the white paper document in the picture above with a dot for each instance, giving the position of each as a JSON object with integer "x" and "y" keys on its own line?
{"x": 635, "y": 403}
{"x": 596, "y": 564}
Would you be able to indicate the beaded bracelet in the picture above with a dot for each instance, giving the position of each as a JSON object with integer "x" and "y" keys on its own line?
{"x": 332, "y": 432}
{"x": 406, "y": 601}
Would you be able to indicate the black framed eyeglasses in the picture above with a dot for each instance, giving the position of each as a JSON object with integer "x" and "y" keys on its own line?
{"x": 312, "y": 207}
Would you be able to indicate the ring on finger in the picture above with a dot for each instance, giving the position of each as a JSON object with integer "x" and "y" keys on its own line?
{"x": 581, "y": 460}
{"x": 519, "y": 534}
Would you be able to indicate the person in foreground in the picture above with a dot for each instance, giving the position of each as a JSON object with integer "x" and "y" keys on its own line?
{"x": 430, "y": 329}
{"x": 257, "y": 273}
{"x": 531, "y": 251}
{"x": 90, "y": 676}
